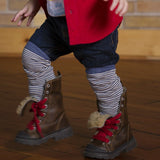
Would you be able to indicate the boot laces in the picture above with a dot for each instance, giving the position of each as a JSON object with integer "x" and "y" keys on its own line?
{"x": 106, "y": 130}
{"x": 36, "y": 109}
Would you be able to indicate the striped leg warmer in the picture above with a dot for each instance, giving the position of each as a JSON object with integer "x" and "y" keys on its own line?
{"x": 39, "y": 70}
{"x": 108, "y": 89}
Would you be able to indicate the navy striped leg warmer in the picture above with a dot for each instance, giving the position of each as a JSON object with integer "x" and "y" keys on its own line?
{"x": 39, "y": 70}
{"x": 108, "y": 89}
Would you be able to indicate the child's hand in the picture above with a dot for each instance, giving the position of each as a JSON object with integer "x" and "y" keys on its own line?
{"x": 29, "y": 10}
{"x": 122, "y": 6}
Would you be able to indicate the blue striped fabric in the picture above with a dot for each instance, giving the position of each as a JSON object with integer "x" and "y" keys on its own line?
{"x": 108, "y": 89}
{"x": 38, "y": 69}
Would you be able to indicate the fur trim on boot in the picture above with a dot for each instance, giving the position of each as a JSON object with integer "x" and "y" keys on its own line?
{"x": 22, "y": 105}
{"x": 97, "y": 120}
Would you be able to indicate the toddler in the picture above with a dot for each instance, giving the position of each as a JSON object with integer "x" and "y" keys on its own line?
{"x": 89, "y": 29}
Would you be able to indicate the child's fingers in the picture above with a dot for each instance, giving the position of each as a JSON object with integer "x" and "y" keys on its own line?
{"x": 15, "y": 17}
{"x": 124, "y": 10}
{"x": 19, "y": 14}
{"x": 120, "y": 7}
{"x": 21, "y": 20}
{"x": 29, "y": 20}
{"x": 114, "y": 4}
{"x": 28, "y": 13}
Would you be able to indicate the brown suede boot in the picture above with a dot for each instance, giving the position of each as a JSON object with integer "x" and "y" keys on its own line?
{"x": 49, "y": 119}
{"x": 113, "y": 134}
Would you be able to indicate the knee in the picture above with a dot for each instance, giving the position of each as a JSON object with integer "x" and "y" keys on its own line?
{"x": 34, "y": 60}
{"x": 31, "y": 61}
{"x": 26, "y": 59}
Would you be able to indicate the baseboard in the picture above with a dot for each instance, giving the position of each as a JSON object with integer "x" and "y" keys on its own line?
{"x": 133, "y": 44}
{"x": 141, "y": 44}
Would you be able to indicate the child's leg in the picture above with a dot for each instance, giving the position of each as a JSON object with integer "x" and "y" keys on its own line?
{"x": 108, "y": 89}
{"x": 44, "y": 46}
{"x": 49, "y": 120}
{"x": 113, "y": 135}
{"x": 100, "y": 58}
{"x": 38, "y": 69}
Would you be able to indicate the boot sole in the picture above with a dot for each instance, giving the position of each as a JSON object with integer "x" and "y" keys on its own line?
{"x": 58, "y": 135}
{"x": 95, "y": 152}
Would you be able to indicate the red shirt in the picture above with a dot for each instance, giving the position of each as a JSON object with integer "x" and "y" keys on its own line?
{"x": 88, "y": 20}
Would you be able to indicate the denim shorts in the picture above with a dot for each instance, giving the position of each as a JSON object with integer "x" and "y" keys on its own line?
{"x": 52, "y": 38}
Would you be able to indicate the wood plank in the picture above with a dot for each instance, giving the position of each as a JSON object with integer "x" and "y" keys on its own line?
{"x": 133, "y": 44}
{"x": 8, "y": 154}
{"x": 11, "y": 154}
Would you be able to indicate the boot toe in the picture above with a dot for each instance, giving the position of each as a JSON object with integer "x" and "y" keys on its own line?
{"x": 94, "y": 148}
{"x": 25, "y": 138}
{"x": 93, "y": 151}
{"x": 23, "y": 134}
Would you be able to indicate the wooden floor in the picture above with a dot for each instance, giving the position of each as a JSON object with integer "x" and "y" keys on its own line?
{"x": 142, "y": 78}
